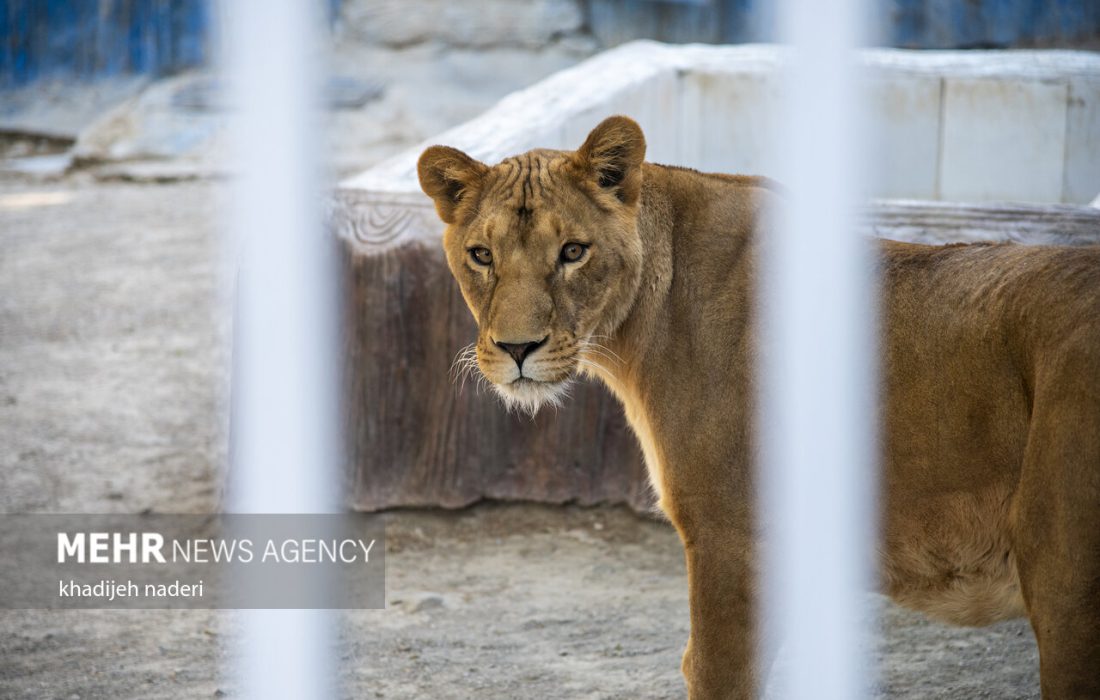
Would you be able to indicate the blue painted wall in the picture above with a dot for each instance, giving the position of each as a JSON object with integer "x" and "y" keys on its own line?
{"x": 87, "y": 39}
{"x": 924, "y": 24}
{"x": 993, "y": 23}
{"x": 83, "y": 39}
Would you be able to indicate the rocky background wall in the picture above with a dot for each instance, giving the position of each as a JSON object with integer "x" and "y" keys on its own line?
{"x": 122, "y": 88}
{"x": 399, "y": 71}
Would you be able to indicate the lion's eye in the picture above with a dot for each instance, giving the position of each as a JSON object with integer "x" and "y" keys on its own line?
{"x": 572, "y": 252}
{"x": 481, "y": 256}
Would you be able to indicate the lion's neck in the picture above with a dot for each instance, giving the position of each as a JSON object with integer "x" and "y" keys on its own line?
{"x": 696, "y": 230}
{"x": 626, "y": 344}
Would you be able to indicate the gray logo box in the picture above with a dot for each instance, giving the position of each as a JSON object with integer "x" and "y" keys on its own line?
{"x": 231, "y": 561}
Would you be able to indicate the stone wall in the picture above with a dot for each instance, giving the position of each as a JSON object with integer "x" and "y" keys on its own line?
{"x": 485, "y": 24}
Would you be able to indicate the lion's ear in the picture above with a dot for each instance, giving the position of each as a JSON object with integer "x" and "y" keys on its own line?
{"x": 449, "y": 177}
{"x": 612, "y": 155}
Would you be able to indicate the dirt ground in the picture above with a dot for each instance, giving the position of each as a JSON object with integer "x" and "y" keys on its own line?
{"x": 110, "y": 402}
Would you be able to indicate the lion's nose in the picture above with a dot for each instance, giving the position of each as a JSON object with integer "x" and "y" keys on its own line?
{"x": 520, "y": 351}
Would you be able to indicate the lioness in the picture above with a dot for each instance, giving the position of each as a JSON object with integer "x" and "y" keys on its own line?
{"x": 643, "y": 275}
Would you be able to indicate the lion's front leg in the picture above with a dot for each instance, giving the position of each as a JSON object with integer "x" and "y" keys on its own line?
{"x": 719, "y": 662}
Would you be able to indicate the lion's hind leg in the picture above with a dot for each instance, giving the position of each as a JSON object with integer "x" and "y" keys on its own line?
{"x": 1056, "y": 533}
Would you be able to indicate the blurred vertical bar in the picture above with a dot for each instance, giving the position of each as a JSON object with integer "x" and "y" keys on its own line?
{"x": 819, "y": 368}
{"x": 284, "y": 409}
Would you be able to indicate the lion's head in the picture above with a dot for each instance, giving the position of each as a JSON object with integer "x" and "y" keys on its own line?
{"x": 546, "y": 250}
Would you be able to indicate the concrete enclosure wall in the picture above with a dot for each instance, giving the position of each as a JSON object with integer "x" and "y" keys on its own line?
{"x": 973, "y": 126}
{"x": 1019, "y": 126}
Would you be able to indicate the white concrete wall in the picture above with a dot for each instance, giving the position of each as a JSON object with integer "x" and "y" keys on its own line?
{"x": 973, "y": 126}
{"x": 960, "y": 127}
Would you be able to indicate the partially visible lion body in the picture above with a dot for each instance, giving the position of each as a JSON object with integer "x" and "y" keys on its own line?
{"x": 990, "y": 405}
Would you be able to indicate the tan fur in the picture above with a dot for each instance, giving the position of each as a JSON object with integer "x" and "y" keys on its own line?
{"x": 990, "y": 398}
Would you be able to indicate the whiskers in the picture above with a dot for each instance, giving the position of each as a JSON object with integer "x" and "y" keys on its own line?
{"x": 465, "y": 366}
{"x": 590, "y": 350}
{"x": 547, "y": 381}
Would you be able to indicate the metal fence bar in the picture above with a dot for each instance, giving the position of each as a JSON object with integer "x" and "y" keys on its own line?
{"x": 818, "y": 366}
{"x": 284, "y": 401}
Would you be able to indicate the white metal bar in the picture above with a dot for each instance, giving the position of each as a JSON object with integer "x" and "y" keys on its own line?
{"x": 284, "y": 402}
{"x": 818, "y": 366}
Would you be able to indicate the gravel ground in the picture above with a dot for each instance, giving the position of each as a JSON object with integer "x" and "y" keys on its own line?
{"x": 110, "y": 402}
